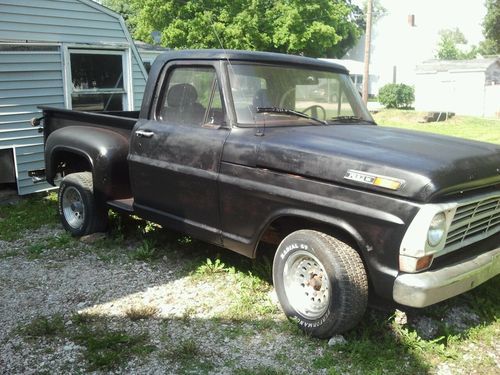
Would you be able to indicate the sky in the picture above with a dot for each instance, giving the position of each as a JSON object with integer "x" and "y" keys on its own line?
{"x": 398, "y": 47}
{"x": 467, "y": 15}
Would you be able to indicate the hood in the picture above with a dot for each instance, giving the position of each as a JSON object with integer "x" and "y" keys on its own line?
{"x": 430, "y": 165}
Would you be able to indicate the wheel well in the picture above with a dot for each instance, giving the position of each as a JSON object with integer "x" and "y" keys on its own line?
{"x": 283, "y": 226}
{"x": 66, "y": 162}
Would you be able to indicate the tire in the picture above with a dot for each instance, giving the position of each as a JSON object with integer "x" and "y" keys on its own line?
{"x": 321, "y": 283}
{"x": 81, "y": 213}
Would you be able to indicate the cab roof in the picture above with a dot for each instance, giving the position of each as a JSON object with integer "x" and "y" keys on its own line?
{"x": 251, "y": 56}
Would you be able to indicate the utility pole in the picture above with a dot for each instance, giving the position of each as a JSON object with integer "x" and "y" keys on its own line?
{"x": 368, "y": 40}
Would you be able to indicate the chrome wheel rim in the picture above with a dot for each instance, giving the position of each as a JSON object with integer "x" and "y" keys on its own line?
{"x": 307, "y": 286}
{"x": 73, "y": 208}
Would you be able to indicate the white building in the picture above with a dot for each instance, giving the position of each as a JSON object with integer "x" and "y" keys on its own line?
{"x": 408, "y": 34}
{"x": 465, "y": 87}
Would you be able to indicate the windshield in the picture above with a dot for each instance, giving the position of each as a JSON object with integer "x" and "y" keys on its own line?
{"x": 270, "y": 94}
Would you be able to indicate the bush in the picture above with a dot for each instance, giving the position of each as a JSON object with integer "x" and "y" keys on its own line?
{"x": 396, "y": 95}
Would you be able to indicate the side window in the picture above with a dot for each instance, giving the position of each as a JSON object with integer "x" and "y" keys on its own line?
{"x": 191, "y": 97}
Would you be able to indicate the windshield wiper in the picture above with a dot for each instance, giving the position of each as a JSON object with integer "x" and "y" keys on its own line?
{"x": 350, "y": 119}
{"x": 287, "y": 111}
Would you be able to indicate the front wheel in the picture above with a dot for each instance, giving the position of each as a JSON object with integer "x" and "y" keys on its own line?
{"x": 321, "y": 282}
{"x": 81, "y": 213}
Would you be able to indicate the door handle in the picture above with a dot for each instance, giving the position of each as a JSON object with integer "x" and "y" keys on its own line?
{"x": 144, "y": 133}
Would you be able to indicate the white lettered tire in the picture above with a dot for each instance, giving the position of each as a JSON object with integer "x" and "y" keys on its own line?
{"x": 321, "y": 283}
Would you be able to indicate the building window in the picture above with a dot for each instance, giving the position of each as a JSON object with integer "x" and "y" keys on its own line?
{"x": 98, "y": 82}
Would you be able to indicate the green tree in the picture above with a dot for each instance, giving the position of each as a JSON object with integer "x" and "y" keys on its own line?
{"x": 448, "y": 46}
{"x": 319, "y": 28}
{"x": 125, "y": 8}
{"x": 491, "y": 29}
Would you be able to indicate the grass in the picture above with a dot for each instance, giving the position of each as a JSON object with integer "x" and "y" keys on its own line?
{"x": 60, "y": 241}
{"x": 246, "y": 286}
{"x": 189, "y": 357}
{"x": 104, "y": 348}
{"x": 147, "y": 251}
{"x": 135, "y": 313}
{"x": 29, "y": 214}
{"x": 476, "y": 128}
{"x": 43, "y": 326}
{"x": 379, "y": 345}
{"x": 107, "y": 349}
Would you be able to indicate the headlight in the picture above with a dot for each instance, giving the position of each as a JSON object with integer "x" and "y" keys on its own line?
{"x": 436, "y": 229}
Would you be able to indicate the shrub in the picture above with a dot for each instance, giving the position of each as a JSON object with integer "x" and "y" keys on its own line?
{"x": 396, "y": 95}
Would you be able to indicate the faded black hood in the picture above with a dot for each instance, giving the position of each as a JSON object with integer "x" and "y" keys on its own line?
{"x": 430, "y": 164}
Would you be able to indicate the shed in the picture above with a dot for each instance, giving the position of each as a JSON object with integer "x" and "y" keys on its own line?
{"x": 466, "y": 87}
{"x": 64, "y": 53}
{"x": 149, "y": 52}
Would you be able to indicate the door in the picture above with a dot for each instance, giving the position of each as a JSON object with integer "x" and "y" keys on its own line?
{"x": 175, "y": 156}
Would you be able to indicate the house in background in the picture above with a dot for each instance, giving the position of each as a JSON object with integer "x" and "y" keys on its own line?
{"x": 465, "y": 87}
{"x": 63, "y": 53}
{"x": 408, "y": 34}
{"x": 149, "y": 53}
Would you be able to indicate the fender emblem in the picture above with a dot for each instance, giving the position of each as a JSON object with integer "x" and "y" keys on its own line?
{"x": 373, "y": 179}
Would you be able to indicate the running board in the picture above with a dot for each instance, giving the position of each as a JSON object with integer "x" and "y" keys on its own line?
{"x": 125, "y": 205}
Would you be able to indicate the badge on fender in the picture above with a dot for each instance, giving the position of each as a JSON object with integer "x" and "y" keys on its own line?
{"x": 373, "y": 179}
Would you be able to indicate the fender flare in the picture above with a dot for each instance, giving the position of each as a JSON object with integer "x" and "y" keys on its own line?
{"x": 320, "y": 219}
{"x": 105, "y": 150}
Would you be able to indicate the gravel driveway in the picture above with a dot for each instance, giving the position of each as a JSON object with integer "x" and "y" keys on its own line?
{"x": 170, "y": 320}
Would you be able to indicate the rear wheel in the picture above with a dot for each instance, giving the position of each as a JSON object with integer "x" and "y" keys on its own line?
{"x": 81, "y": 213}
{"x": 321, "y": 282}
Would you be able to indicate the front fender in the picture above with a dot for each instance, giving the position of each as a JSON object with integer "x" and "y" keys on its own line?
{"x": 105, "y": 150}
{"x": 319, "y": 218}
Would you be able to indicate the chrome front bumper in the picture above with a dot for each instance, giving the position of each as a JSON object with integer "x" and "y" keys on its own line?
{"x": 426, "y": 288}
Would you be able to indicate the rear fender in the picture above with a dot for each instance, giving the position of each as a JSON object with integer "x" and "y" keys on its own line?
{"x": 106, "y": 152}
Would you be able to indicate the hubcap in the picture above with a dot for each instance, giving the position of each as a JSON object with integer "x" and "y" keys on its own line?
{"x": 307, "y": 287}
{"x": 72, "y": 207}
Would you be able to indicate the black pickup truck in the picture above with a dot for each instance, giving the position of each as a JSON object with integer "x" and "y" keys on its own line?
{"x": 238, "y": 148}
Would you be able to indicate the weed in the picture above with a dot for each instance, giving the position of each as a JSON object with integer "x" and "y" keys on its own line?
{"x": 186, "y": 350}
{"x": 146, "y": 252}
{"x": 150, "y": 227}
{"x": 35, "y": 250}
{"x": 249, "y": 295}
{"x": 185, "y": 240}
{"x": 260, "y": 370}
{"x": 188, "y": 313}
{"x": 106, "y": 350}
{"x": 9, "y": 254}
{"x": 211, "y": 268}
{"x": 59, "y": 241}
{"x": 82, "y": 318}
{"x": 141, "y": 312}
{"x": 43, "y": 326}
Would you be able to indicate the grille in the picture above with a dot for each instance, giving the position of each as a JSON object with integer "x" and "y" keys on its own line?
{"x": 473, "y": 222}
